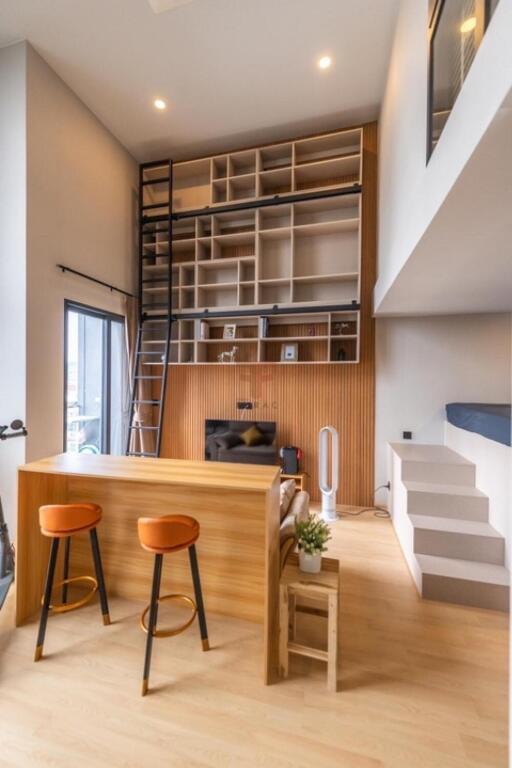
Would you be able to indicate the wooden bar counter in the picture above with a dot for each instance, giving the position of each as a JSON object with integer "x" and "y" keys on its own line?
{"x": 236, "y": 505}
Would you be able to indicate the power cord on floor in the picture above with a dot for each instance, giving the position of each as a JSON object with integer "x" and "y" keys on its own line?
{"x": 380, "y": 512}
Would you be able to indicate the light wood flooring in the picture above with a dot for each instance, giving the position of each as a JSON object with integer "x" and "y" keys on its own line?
{"x": 422, "y": 684}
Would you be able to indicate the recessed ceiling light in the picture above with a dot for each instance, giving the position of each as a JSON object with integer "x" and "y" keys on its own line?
{"x": 325, "y": 62}
{"x": 468, "y": 25}
{"x": 160, "y": 104}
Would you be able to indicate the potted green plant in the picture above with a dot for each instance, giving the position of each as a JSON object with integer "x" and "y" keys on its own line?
{"x": 312, "y": 535}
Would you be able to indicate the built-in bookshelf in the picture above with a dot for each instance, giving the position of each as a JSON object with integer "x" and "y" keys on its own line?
{"x": 328, "y": 337}
{"x": 298, "y": 253}
{"x": 313, "y": 164}
{"x": 256, "y": 233}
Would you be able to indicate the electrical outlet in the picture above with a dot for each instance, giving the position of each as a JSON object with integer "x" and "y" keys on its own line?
{"x": 407, "y": 435}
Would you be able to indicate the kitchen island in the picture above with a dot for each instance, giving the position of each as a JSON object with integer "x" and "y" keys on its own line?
{"x": 237, "y": 507}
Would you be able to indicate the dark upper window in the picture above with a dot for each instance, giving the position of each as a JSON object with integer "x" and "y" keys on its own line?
{"x": 456, "y": 31}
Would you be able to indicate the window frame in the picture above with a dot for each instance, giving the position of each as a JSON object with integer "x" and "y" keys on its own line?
{"x": 109, "y": 317}
{"x": 433, "y": 23}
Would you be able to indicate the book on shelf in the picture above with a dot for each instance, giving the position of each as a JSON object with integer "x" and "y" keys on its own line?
{"x": 202, "y": 330}
{"x": 263, "y": 327}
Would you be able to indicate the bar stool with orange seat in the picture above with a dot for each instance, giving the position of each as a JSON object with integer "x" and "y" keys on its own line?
{"x": 61, "y": 521}
{"x": 162, "y": 536}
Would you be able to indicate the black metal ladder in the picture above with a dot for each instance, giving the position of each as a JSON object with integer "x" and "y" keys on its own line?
{"x": 150, "y": 365}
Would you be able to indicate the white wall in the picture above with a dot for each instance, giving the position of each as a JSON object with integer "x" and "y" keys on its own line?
{"x": 424, "y": 363}
{"x": 12, "y": 263}
{"x": 82, "y": 188}
{"x": 410, "y": 191}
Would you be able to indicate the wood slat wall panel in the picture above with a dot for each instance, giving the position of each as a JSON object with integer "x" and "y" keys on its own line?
{"x": 299, "y": 398}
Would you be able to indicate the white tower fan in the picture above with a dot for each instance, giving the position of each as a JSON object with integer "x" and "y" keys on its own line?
{"x": 328, "y": 489}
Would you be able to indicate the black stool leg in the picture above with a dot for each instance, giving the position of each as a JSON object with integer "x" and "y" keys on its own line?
{"x": 99, "y": 575}
{"x": 65, "y": 570}
{"x": 153, "y": 610}
{"x": 47, "y": 599}
{"x": 199, "y": 596}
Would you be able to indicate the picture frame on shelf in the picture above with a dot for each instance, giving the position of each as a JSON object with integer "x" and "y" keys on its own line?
{"x": 289, "y": 353}
{"x": 229, "y": 331}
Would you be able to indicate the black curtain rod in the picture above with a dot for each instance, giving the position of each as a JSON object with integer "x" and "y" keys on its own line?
{"x": 95, "y": 280}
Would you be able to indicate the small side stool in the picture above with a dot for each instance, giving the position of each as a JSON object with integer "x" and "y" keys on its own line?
{"x": 323, "y": 588}
{"x": 62, "y": 521}
{"x": 162, "y": 536}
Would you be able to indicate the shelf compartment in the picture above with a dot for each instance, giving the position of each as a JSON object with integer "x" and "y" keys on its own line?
{"x": 301, "y": 328}
{"x": 333, "y": 145}
{"x": 275, "y": 217}
{"x": 276, "y": 182}
{"x": 276, "y": 157}
{"x": 183, "y": 251}
{"x": 237, "y": 246}
{"x": 328, "y": 173}
{"x": 217, "y": 296}
{"x": 191, "y": 185}
{"x": 219, "y": 191}
{"x": 187, "y": 298}
{"x": 183, "y": 230}
{"x": 246, "y": 330}
{"x": 275, "y": 251}
{"x": 208, "y": 352}
{"x": 220, "y": 167}
{"x": 344, "y": 325}
{"x": 186, "y": 352}
{"x": 343, "y": 350}
{"x": 204, "y": 249}
{"x": 187, "y": 277}
{"x": 310, "y": 350}
{"x": 247, "y": 270}
{"x": 242, "y": 163}
{"x": 317, "y": 253}
{"x": 333, "y": 289}
{"x": 241, "y": 222}
{"x": 247, "y": 295}
{"x": 203, "y": 226}
{"x": 214, "y": 274}
{"x": 186, "y": 329}
{"x": 275, "y": 292}
{"x": 242, "y": 188}
{"x": 344, "y": 208}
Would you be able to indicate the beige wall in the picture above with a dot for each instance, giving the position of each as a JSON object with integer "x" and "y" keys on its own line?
{"x": 12, "y": 263}
{"x": 67, "y": 195}
{"x": 81, "y": 191}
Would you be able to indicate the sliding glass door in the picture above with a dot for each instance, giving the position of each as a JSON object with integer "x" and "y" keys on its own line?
{"x": 96, "y": 382}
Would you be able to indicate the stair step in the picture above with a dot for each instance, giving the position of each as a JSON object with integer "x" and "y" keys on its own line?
{"x": 434, "y": 464}
{"x": 466, "y": 582}
{"x": 441, "y": 500}
{"x": 458, "y": 539}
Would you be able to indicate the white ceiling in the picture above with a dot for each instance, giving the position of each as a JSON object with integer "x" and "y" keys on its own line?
{"x": 234, "y": 72}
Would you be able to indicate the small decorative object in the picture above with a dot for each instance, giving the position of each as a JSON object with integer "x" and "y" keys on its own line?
{"x": 336, "y": 329}
{"x": 341, "y": 354}
{"x": 229, "y": 331}
{"x": 229, "y": 356}
{"x": 311, "y": 330}
{"x": 289, "y": 353}
{"x": 312, "y": 535}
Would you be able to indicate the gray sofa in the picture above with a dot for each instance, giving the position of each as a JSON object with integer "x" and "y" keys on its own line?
{"x": 219, "y": 449}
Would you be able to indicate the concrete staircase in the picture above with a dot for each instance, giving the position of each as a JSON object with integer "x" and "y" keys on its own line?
{"x": 442, "y": 522}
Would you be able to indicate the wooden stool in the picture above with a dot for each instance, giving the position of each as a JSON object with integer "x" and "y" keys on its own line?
{"x": 61, "y": 521}
{"x": 318, "y": 587}
{"x": 164, "y": 535}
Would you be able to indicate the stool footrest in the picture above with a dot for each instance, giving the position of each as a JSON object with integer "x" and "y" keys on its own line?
{"x": 65, "y": 607}
{"x": 177, "y": 630}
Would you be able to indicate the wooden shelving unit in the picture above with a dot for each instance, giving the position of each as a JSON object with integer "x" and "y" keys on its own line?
{"x": 267, "y": 231}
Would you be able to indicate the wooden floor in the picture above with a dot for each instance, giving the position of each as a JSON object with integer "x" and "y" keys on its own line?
{"x": 423, "y": 685}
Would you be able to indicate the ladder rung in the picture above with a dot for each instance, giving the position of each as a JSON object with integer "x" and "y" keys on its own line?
{"x": 154, "y": 206}
{"x": 142, "y": 352}
{"x": 159, "y": 180}
{"x": 155, "y": 279}
{"x": 146, "y": 402}
{"x": 145, "y": 429}
{"x": 149, "y": 377}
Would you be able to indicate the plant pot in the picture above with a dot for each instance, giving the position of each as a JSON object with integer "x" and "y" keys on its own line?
{"x": 310, "y": 563}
